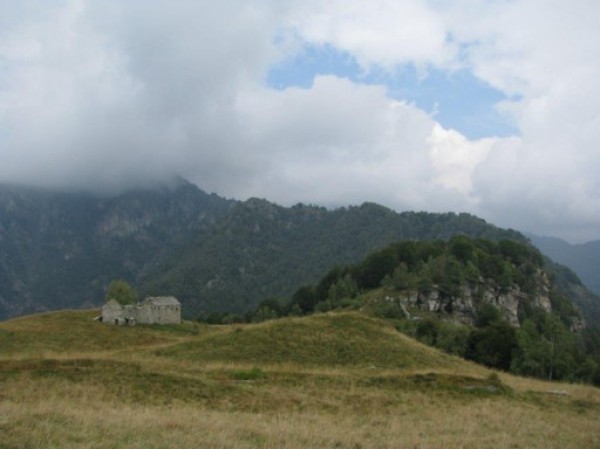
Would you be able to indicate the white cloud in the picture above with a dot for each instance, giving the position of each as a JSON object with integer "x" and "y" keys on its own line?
{"x": 383, "y": 33}
{"x": 454, "y": 157}
{"x": 337, "y": 142}
{"x": 547, "y": 56}
{"x": 110, "y": 94}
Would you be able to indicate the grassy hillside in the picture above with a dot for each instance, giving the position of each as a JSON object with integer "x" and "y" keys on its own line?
{"x": 341, "y": 340}
{"x": 67, "y": 332}
{"x": 328, "y": 380}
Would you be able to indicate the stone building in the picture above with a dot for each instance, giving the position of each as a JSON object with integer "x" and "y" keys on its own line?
{"x": 153, "y": 310}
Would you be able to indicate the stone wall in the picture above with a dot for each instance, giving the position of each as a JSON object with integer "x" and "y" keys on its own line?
{"x": 113, "y": 313}
{"x": 161, "y": 310}
{"x": 158, "y": 313}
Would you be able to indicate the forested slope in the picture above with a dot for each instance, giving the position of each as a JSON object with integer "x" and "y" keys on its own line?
{"x": 261, "y": 250}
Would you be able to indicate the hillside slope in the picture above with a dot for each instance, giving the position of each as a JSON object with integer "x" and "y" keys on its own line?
{"x": 583, "y": 259}
{"x": 262, "y": 250}
{"x": 326, "y": 381}
{"x": 331, "y": 340}
{"x": 60, "y": 250}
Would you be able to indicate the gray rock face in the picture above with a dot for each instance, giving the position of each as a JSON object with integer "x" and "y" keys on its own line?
{"x": 463, "y": 308}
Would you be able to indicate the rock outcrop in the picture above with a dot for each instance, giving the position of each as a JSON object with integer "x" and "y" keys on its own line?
{"x": 463, "y": 308}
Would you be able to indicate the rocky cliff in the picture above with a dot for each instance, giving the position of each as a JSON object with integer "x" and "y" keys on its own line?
{"x": 464, "y": 307}
{"x": 459, "y": 279}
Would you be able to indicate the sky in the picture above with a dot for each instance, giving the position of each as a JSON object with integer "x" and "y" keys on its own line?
{"x": 490, "y": 107}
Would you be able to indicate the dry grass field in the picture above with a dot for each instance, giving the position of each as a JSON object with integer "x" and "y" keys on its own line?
{"x": 327, "y": 381}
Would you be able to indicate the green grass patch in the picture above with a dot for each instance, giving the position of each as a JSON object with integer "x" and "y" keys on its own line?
{"x": 328, "y": 380}
{"x": 251, "y": 374}
{"x": 73, "y": 331}
{"x": 433, "y": 383}
{"x": 333, "y": 339}
{"x": 127, "y": 383}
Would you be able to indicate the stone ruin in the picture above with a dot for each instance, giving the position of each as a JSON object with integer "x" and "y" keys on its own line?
{"x": 153, "y": 310}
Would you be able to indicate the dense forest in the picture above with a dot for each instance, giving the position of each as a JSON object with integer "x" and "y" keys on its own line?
{"x": 260, "y": 249}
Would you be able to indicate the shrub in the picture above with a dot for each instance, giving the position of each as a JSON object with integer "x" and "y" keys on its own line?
{"x": 121, "y": 291}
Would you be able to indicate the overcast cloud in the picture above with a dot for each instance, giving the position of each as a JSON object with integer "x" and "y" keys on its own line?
{"x": 107, "y": 94}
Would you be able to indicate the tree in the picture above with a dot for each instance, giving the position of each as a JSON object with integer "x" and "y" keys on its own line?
{"x": 452, "y": 338}
{"x": 305, "y": 299}
{"x": 344, "y": 287}
{"x": 506, "y": 277}
{"x": 463, "y": 249}
{"x": 472, "y": 274}
{"x": 546, "y": 349}
{"x": 427, "y": 331}
{"x": 492, "y": 345}
{"x": 375, "y": 267}
{"x": 532, "y": 358}
{"x": 452, "y": 278}
{"x": 268, "y": 309}
{"x": 563, "y": 348}
{"x": 402, "y": 278}
{"x": 487, "y": 314}
{"x": 122, "y": 292}
{"x": 324, "y": 286}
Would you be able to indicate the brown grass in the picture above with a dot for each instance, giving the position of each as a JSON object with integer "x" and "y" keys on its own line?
{"x": 126, "y": 396}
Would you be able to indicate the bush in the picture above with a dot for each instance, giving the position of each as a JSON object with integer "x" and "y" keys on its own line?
{"x": 427, "y": 331}
{"x": 385, "y": 309}
{"x": 492, "y": 345}
{"x": 453, "y": 338}
{"x": 121, "y": 292}
{"x": 487, "y": 314}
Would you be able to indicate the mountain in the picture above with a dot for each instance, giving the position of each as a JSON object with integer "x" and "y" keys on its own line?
{"x": 262, "y": 250}
{"x": 583, "y": 282}
{"x": 61, "y": 250}
{"x": 583, "y": 259}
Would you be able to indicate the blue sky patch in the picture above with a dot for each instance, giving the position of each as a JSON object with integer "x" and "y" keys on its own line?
{"x": 459, "y": 99}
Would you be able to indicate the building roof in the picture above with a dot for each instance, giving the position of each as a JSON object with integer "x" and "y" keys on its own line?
{"x": 161, "y": 301}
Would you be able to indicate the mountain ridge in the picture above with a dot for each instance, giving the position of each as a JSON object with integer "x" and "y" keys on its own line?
{"x": 300, "y": 242}
{"x": 582, "y": 258}
{"x": 60, "y": 250}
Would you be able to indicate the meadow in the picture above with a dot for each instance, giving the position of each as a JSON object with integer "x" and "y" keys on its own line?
{"x": 336, "y": 380}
